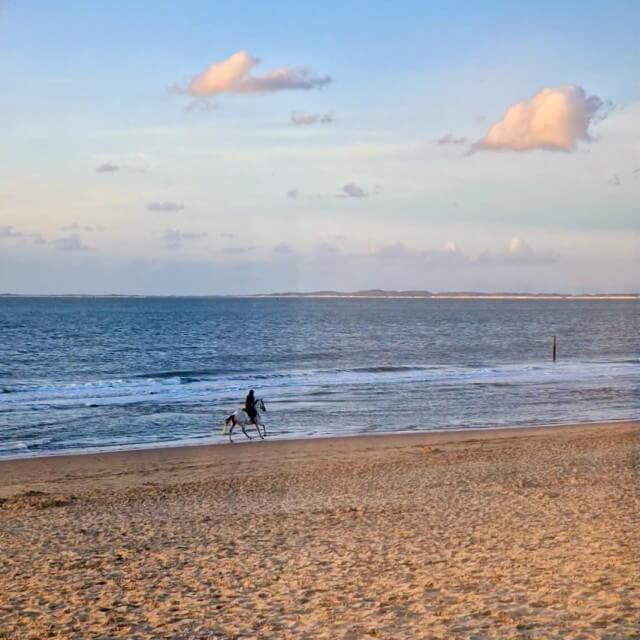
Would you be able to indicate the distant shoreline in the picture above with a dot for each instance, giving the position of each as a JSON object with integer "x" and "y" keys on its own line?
{"x": 365, "y": 295}
{"x": 448, "y": 296}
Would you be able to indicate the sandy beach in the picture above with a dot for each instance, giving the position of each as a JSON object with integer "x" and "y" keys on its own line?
{"x": 528, "y": 533}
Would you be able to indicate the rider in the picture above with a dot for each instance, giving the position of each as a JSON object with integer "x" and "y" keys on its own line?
{"x": 250, "y": 406}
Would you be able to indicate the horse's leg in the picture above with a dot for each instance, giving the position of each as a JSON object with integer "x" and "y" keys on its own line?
{"x": 233, "y": 424}
{"x": 245, "y": 431}
{"x": 257, "y": 425}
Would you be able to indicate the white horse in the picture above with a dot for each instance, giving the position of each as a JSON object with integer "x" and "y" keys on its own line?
{"x": 241, "y": 417}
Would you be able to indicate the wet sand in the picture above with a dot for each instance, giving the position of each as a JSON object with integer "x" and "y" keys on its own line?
{"x": 528, "y": 533}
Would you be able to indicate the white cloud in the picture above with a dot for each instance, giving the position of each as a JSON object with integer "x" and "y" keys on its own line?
{"x": 309, "y": 119}
{"x": 351, "y": 190}
{"x": 165, "y": 207}
{"x": 553, "y": 120}
{"x": 135, "y": 161}
{"x": 283, "y": 248}
{"x": 451, "y": 139}
{"x": 107, "y": 167}
{"x": 201, "y": 104}
{"x": 519, "y": 252}
{"x": 70, "y": 243}
{"x": 233, "y": 75}
{"x": 517, "y": 246}
{"x": 78, "y": 227}
{"x": 239, "y": 250}
{"x": 175, "y": 238}
{"x": 9, "y": 231}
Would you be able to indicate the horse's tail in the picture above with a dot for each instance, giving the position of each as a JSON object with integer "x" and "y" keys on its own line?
{"x": 227, "y": 423}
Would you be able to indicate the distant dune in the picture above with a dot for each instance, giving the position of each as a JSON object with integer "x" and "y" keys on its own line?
{"x": 499, "y": 295}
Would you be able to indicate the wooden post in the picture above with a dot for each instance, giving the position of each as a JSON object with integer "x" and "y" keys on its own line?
{"x": 555, "y": 348}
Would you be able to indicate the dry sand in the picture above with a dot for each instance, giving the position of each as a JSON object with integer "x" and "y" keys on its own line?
{"x": 501, "y": 534}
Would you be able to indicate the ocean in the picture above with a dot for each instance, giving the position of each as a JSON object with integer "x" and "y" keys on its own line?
{"x": 92, "y": 374}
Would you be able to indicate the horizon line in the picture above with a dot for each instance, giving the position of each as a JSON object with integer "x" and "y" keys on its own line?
{"x": 363, "y": 294}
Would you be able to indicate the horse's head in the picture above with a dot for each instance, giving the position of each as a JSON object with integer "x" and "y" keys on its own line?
{"x": 260, "y": 404}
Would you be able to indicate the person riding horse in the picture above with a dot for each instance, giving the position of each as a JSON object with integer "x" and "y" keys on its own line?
{"x": 250, "y": 413}
{"x": 250, "y": 406}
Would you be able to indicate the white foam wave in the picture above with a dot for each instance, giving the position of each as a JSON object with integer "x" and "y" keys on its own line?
{"x": 123, "y": 391}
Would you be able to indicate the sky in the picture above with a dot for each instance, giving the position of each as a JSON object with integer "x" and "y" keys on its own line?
{"x": 201, "y": 148}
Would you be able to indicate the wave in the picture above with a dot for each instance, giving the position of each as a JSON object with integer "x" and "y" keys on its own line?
{"x": 142, "y": 412}
{"x": 188, "y": 374}
{"x": 13, "y": 446}
{"x": 491, "y": 383}
{"x": 21, "y": 445}
{"x": 167, "y": 387}
{"x": 389, "y": 368}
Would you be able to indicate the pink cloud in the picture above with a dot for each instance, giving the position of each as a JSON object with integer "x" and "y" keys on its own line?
{"x": 553, "y": 120}
{"x": 233, "y": 75}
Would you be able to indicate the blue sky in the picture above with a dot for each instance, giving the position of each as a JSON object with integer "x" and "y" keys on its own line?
{"x": 119, "y": 176}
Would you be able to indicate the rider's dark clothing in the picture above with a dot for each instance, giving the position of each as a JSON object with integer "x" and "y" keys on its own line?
{"x": 250, "y": 406}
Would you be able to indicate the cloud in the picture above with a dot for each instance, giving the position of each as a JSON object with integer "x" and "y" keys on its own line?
{"x": 553, "y": 120}
{"x": 77, "y": 227}
{"x": 309, "y": 119}
{"x": 352, "y": 190}
{"x": 239, "y": 250}
{"x": 399, "y": 251}
{"x": 451, "y": 247}
{"x": 518, "y": 252}
{"x": 70, "y": 243}
{"x": 165, "y": 207}
{"x": 228, "y": 236}
{"x": 283, "y": 249}
{"x": 107, "y": 167}
{"x": 349, "y": 190}
{"x": 9, "y": 231}
{"x": 233, "y": 75}
{"x": 175, "y": 238}
{"x": 202, "y": 104}
{"x": 517, "y": 246}
{"x": 394, "y": 252}
{"x": 614, "y": 180}
{"x": 124, "y": 162}
{"x": 451, "y": 139}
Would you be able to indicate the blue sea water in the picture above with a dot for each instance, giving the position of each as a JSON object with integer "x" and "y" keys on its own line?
{"x": 84, "y": 374}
